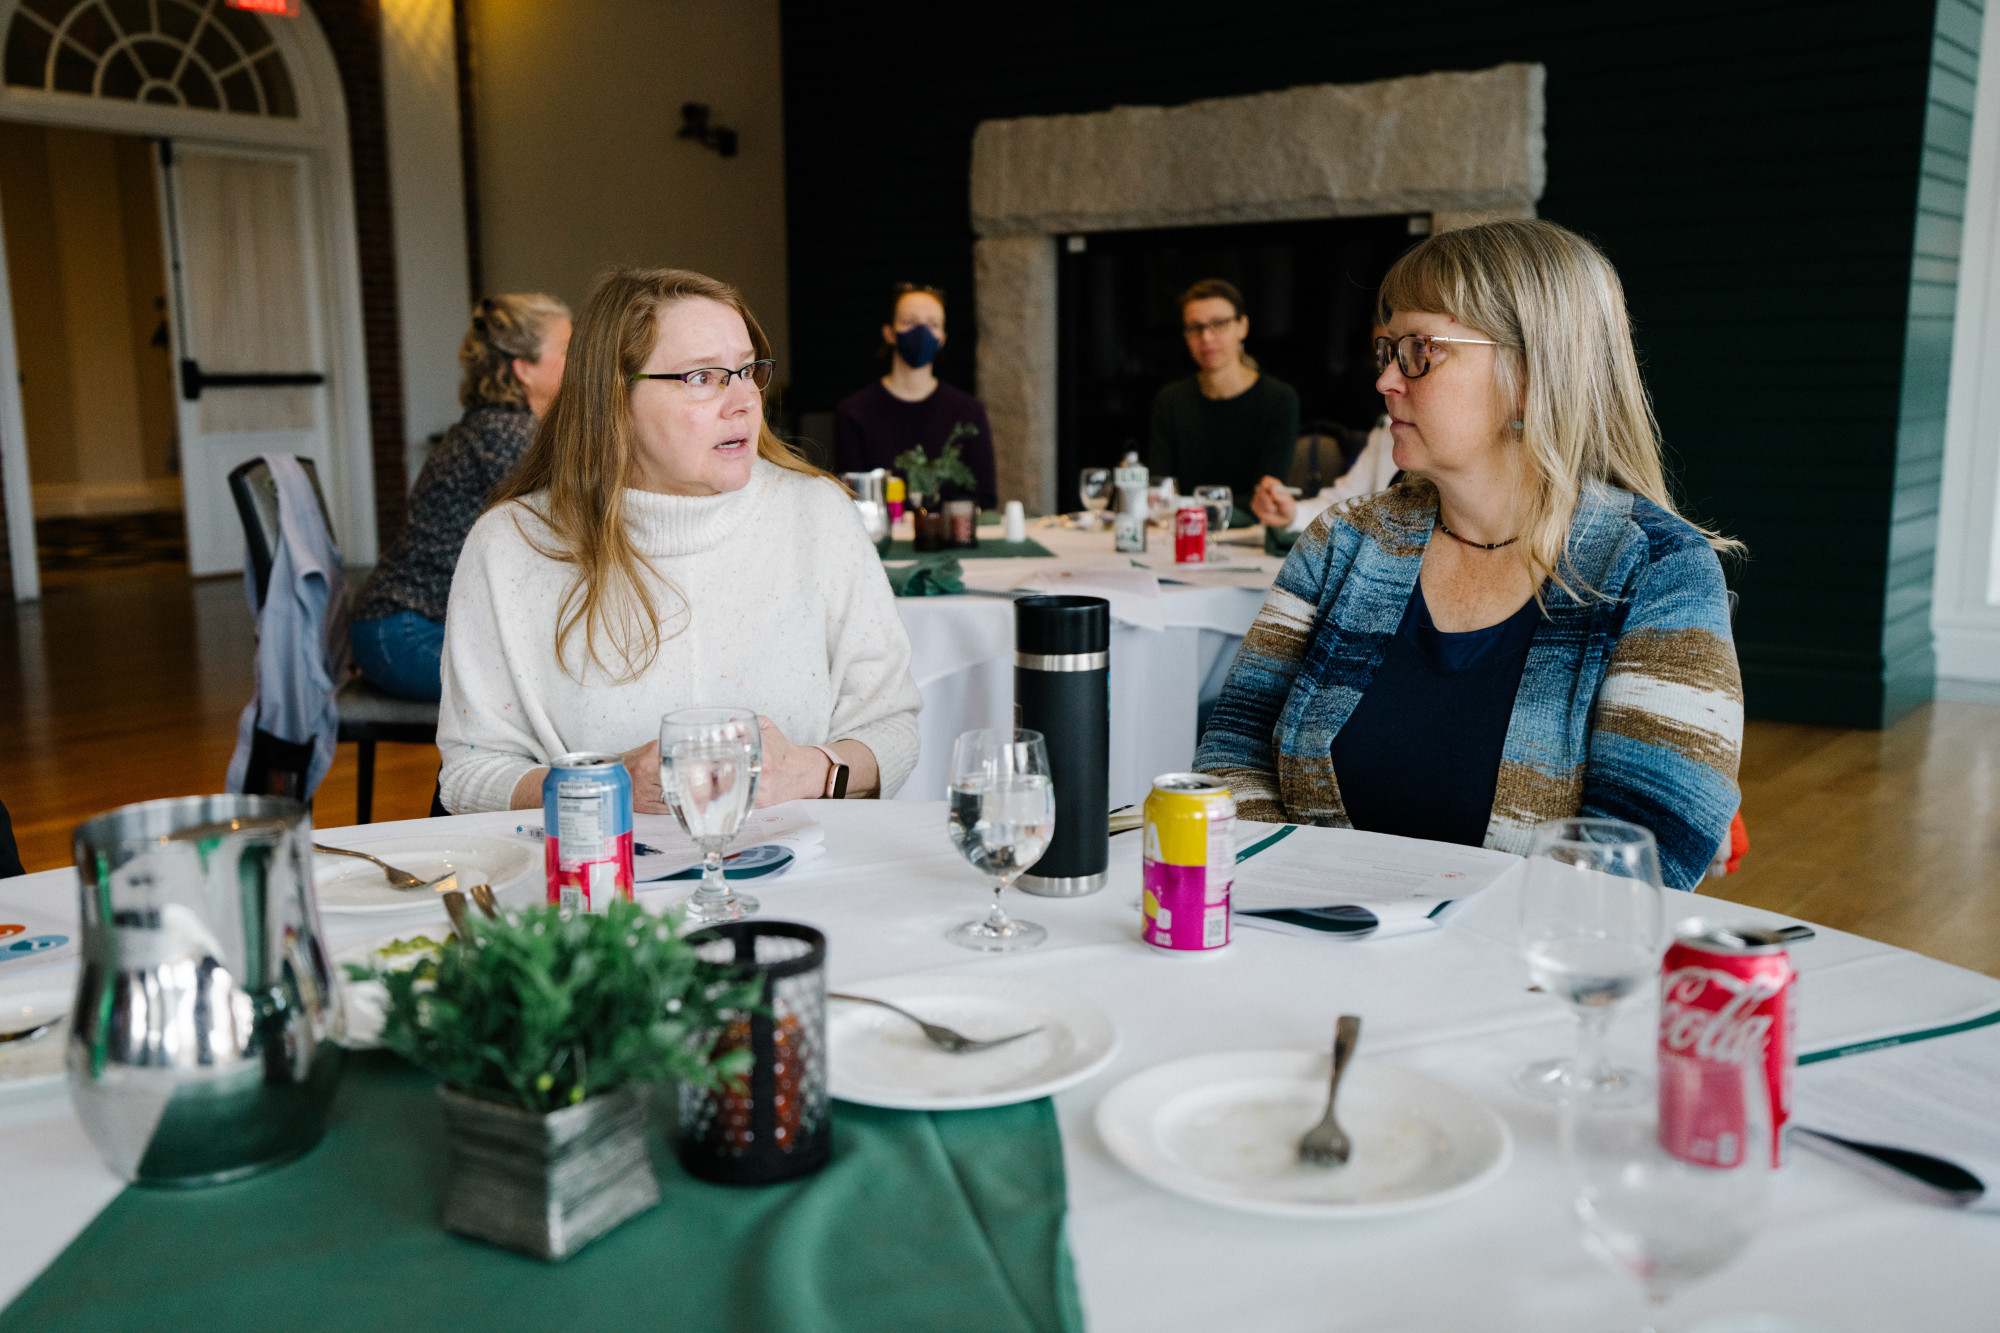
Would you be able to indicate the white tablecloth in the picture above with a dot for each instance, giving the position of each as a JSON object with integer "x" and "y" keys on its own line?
{"x": 1839, "y": 1250}
{"x": 1162, "y": 679}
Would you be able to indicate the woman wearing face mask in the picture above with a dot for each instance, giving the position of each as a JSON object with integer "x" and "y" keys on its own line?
{"x": 657, "y": 549}
{"x": 513, "y": 360}
{"x": 1523, "y": 629}
{"x": 910, "y": 406}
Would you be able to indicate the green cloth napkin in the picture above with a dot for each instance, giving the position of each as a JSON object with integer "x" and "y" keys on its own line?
{"x": 933, "y": 575}
{"x": 989, "y": 548}
{"x": 946, "y": 1221}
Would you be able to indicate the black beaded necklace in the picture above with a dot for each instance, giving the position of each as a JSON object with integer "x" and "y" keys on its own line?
{"x": 1483, "y": 546}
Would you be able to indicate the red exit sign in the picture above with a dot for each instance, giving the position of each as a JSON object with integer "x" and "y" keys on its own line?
{"x": 288, "y": 8}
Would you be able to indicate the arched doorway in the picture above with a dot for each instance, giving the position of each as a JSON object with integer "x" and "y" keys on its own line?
{"x": 248, "y": 135}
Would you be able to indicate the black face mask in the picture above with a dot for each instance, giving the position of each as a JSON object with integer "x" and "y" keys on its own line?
{"x": 918, "y": 346}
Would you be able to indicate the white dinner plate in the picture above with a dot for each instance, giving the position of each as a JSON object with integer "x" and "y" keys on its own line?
{"x": 24, "y": 1002}
{"x": 349, "y": 884}
{"x": 879, "y": 1059}
{"x": 1225, "y": 1129}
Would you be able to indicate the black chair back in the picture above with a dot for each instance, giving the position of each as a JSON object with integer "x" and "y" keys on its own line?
{"x": 256, "y": 496}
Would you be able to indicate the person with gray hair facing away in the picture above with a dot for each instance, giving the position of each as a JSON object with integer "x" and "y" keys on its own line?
{"x": 513, "y": 357}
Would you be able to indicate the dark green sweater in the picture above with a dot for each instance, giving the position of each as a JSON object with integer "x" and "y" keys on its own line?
{"x": 1233, "y": 442}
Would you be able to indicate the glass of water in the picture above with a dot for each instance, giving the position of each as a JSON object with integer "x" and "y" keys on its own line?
{"x": 1592, "y": 929}
{"x": 1094, "y": 487}
{"x": 1220, "y": 502}
{"x": 1003, "y": 813}
{"x": 1665, "y": 1219}
{"x": 710, "y": 759}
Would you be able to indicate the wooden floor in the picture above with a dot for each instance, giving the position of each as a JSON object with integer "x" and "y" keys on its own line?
{"x": 129, "y": 686}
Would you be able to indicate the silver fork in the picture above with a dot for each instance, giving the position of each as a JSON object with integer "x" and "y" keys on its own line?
{"x": 940, "y": 1036}
{"x": 398, "y": 879}
{"x": 1326, "y": 1144}
{"x": 29, "y": 1034}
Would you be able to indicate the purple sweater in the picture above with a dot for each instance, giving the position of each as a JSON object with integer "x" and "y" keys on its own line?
{"x": 872, "y": 426}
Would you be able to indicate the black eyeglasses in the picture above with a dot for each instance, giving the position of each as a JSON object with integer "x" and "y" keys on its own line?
{"x": 704, "y": 382}
{"x": 1412, "y": 353}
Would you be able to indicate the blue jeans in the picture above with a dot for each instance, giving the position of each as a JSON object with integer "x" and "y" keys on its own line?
{"x": 400, "y": 653}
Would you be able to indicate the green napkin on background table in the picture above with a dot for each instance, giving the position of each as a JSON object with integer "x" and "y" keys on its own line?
{"x": 934, "y": 575}
{"x": 950, "y": 1220}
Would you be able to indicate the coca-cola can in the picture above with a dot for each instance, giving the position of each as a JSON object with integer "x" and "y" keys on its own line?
{"x": 1728, "y": 998}
{"x": 1190, "y": 532}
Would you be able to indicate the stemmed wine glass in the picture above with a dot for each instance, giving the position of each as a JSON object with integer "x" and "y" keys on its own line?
{"x": 1161, "y": 498}
{"x": 1592, "y": 928}
{"x": 1670, "y": 1201}
{"x": 1003, "y": 813}
{"x": 1220, "y": 502}
{"x": 710, "y": 759}
{"x": 1095, "y": 488}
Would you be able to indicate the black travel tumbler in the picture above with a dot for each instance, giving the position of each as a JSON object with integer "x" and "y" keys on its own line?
{"x": 1062, "y": 688}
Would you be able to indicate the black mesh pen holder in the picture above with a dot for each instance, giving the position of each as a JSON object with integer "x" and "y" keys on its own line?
{"x": 772, "y": 1123}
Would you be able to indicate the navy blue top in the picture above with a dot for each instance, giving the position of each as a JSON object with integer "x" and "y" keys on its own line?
{"x": 1420, "y": 754}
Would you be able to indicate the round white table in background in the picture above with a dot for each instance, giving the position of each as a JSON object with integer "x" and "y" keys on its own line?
{"x": 1163, "y": 679}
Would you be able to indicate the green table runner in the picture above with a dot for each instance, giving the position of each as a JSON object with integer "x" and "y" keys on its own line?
{"x": 989, "y": 548}
{"x": 948, "y": 1221}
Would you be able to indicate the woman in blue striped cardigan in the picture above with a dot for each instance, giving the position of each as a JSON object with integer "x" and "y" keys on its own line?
{"x": 1524, "y": 629}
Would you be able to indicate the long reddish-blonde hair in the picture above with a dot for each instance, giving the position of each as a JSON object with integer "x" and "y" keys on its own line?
{"x": 583, "y": 459}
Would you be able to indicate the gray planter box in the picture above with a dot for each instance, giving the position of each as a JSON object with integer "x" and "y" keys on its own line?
{"x": 546, "y": 1184}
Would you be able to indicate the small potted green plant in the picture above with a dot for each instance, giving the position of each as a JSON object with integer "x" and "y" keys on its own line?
{"x": 925, "y": 476}
{"x": 546, "y": 1031}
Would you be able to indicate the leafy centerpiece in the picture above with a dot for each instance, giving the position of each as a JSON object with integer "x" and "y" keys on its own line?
{"x": 926, "y": 474}
{"x": 546, "y": 1031}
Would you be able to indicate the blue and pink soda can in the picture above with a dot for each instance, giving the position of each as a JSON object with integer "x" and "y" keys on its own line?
{"x": 587, "y": 811}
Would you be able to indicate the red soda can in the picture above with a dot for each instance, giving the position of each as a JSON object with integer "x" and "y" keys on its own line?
{"x": 1190, "y": 532}
{"x": 1728, "y": 997}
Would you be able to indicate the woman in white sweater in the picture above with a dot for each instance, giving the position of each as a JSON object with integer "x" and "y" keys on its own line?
{"x": 659, "y": 548}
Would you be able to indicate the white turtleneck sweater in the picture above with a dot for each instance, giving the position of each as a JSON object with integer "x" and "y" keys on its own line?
{"x": 787, "y": 611}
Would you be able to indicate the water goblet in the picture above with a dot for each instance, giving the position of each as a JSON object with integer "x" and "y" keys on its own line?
{"x": 1666, "y": 1218}
{"x": 1592, "y": 930}
{"x": 1220, "y": 502}
{"x": 1095, "y": 489}
{"x": 710, "y": 760}
{"x": 1002, "y": 815}
{"x": 1161, "y": 500}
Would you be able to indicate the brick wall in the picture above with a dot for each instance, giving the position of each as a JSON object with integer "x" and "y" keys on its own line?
{"x": 354, "y": 30}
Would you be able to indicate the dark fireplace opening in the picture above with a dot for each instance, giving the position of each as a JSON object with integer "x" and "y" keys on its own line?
{"x": 1310, "y": 291}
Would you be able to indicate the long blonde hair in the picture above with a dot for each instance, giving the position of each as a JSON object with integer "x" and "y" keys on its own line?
{"x": 503, "y": 328}
{"x": 1565, "y": 363}
{"x": 583, "y": 459}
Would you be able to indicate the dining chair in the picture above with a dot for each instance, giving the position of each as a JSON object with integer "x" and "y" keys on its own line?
{"x": 1324, "y": 452}
{"x": 368, "y": 716}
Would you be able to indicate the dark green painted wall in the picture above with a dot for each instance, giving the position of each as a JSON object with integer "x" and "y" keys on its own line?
{"x": 1909, "y": 664}
{"x": 1753, "y": 170}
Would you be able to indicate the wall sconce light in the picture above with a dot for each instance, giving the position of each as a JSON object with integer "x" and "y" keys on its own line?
{"x": 694, "y": 125}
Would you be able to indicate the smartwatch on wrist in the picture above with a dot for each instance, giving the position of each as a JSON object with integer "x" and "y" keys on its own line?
{"x": 836, "y": 776}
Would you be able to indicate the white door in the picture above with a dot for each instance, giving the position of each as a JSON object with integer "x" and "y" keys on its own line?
{"x": 249, "y": 329}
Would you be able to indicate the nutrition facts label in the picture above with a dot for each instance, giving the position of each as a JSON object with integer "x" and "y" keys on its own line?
{"x": 580, "y": 821}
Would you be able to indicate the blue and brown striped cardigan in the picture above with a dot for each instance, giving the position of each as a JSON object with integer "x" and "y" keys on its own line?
{"x": 1630, "y": 705}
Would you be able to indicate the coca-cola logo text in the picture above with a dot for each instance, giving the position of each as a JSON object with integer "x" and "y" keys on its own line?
{"x": 1734, "y": 1032}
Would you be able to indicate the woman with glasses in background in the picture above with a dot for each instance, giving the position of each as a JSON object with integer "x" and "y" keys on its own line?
{"x": 1524, "y": 628}
{"x": 1228, "y": 424}
{"x": 910, "y": 407}
{"x": 513, "y": 359}
{"x": 659, "y": 548}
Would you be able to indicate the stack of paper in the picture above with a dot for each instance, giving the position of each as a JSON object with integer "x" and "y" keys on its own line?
{"x": 1351, "y": 884}
{"x": 1933, "y": 1091}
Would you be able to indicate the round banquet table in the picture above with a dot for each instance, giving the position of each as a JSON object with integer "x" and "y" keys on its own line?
{"x": 1838, "y": 1249}
{"x": 1174, "y": 634}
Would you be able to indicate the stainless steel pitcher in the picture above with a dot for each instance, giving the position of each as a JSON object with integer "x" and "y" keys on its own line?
{"x": 871, "y": 497}
{"x": 204, "y": 1046}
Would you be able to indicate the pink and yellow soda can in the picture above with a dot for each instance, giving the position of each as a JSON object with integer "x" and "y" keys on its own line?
{"x": 1190, "y": 863}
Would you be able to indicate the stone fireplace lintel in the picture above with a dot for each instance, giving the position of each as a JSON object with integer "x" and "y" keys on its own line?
{"x": 1464, "y": 146}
